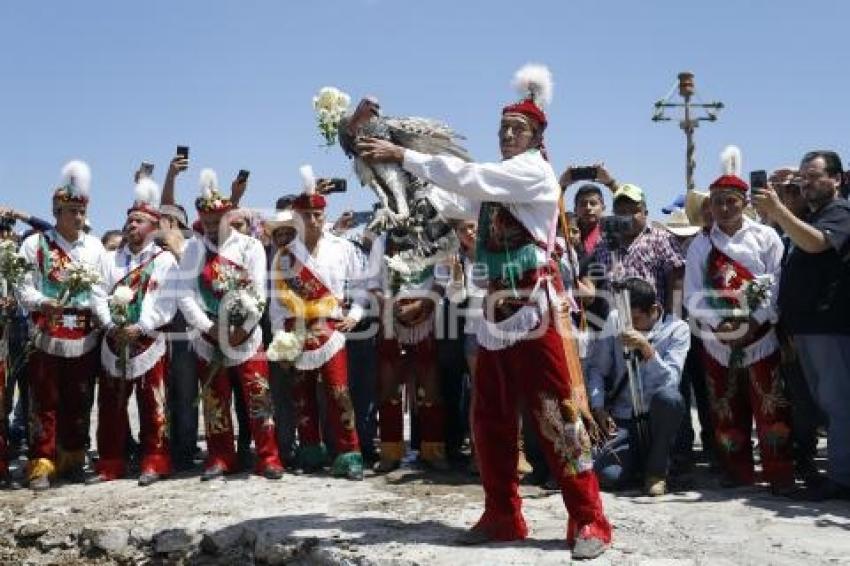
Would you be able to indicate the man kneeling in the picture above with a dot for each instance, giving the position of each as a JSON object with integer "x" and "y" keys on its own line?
{"x": 661, "y": 344}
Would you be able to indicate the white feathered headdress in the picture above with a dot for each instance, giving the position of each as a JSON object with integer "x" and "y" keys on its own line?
{"x": 208, "y": 183}
{"x": 308, "y": 179}
{"x": 146, "y": 198}
{"x": 730, "y": 174}
{"x": 76, "y": 182}
{"x": 730, "y": 160}
{"x": 534, "y": 81}
{"x": 211, "y": 199}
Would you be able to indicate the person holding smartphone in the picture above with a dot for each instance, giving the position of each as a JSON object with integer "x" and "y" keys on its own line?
{"x": 731, "y": 285}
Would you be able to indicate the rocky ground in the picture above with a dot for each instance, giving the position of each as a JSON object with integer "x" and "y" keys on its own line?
{"x": 408, "y": 517}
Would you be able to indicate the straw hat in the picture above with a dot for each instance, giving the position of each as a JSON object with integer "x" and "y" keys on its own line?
{"x": 678, "y": 224}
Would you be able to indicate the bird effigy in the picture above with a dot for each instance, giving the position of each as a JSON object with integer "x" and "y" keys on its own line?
{"x": 422, "y": 237}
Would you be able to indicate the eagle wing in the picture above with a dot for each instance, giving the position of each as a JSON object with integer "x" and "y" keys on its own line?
{"x": 426, "y": 136}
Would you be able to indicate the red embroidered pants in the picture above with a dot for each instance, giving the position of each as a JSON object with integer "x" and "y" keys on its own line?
{"x": 340, "y": 410}
{"x": 113, "y": 424}
{"x": 253, "y": 376}
{"x": 735, "y": 399}
{"x": 397, "y": 364}
{"x": 60, "y": 390}
{"x": 532, "y": 373}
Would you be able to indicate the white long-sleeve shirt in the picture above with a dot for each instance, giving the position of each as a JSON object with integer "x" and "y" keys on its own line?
{"x": 338, "y": 265}
{"x": 242, "y": 250}
{"x": 159, "y": 302}
{"x": 758, "y": 248}
{"x": 525, "y": 184}
{"x": 158, "y": 307}
{"x": 86, "y": 249}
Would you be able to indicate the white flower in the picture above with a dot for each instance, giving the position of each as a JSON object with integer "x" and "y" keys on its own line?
{"x": 123, "y": 295}
{"x": 285, "y": 346}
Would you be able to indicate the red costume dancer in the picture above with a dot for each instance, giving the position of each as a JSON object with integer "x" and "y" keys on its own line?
{"x": 731, "y": 283}
{"x": 133, "y": 307}
{"x": 407, "y": 352}
{"x": 521, "y": 358}
{"x": 58, "y": 294}
{"x": 310, "y": 277}
{"x": 223, "y": 280}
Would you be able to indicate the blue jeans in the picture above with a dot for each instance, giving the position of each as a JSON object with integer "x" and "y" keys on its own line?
{"x": 362, "y": 384}
{"x": 825, "y": 359}
{"x": 618, "y": 463}
{"x": 182, "y": 399}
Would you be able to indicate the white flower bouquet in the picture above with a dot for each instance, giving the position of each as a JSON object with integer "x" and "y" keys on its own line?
{"x": 285, "y": 346}
{"x": 12, "y": 268}
{"x": 330, "y": 105}
{"x": 240, "y": 300}
{"x": 119, "y": 305}
{"x": 76, "y": 279}
{"x": 119, "y": 311}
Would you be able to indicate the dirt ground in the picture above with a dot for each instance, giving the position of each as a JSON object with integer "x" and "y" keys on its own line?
{"x": 408, "y": 517}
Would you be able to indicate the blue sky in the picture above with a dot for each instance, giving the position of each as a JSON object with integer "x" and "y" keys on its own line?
{"x": 116, "y": 83}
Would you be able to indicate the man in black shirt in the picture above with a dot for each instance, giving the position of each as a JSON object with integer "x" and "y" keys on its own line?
{"x": 815, "y": 303}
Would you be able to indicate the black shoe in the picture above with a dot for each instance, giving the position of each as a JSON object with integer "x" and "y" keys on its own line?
{"x": 148, "y": 478}
{"x": 273, "y": 473}
{"x": 40, "y": 483}
{"x": 212, "y": 473}
{"x": 8, "y": 482}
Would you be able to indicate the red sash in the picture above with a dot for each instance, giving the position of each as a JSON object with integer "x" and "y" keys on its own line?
{"x": 307, "y": 298}
{"x": 726, "y": 276}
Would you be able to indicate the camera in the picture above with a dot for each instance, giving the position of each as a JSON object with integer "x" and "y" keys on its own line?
{"x": 614, "y": 227}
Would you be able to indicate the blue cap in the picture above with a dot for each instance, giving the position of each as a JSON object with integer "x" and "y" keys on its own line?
{"x": 676, "y": 204}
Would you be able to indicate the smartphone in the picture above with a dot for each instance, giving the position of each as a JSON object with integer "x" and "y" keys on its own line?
{"x": 584, "y": 173}
{"x": 758, "y": 181}
{"x": 338, "y": 186}
{"x": 243, "y": 175}
{"x": 146, "y": 169}
{"x": 183, "y": 151}
{"x": 361, "y": 217}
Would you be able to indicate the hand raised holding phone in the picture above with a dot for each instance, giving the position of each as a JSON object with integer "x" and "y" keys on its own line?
{"x": 239, "y": 186}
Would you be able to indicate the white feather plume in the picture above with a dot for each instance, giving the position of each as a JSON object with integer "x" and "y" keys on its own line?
{"x": 147, "y": 191}
{"x": 730, "y": 160}
{"x": 209, "y": 183}
{"x": 535, "y": 81}
{"x": 77, "y": 174}
{"x": 308, "y": 179}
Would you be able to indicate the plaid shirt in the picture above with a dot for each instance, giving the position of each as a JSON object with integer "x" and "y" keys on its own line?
{"x": 651, "y": 256}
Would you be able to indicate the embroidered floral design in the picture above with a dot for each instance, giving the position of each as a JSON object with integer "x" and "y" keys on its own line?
{"x": 259, "y": 400}
{"x": 569, "y": 440}
{"x": 159, "y": 417}
{"x": 776, "y": 437}
{"x": 214, "y": 416}
{"x": 343, "y": 400}
{"x": 771, "y": 397}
